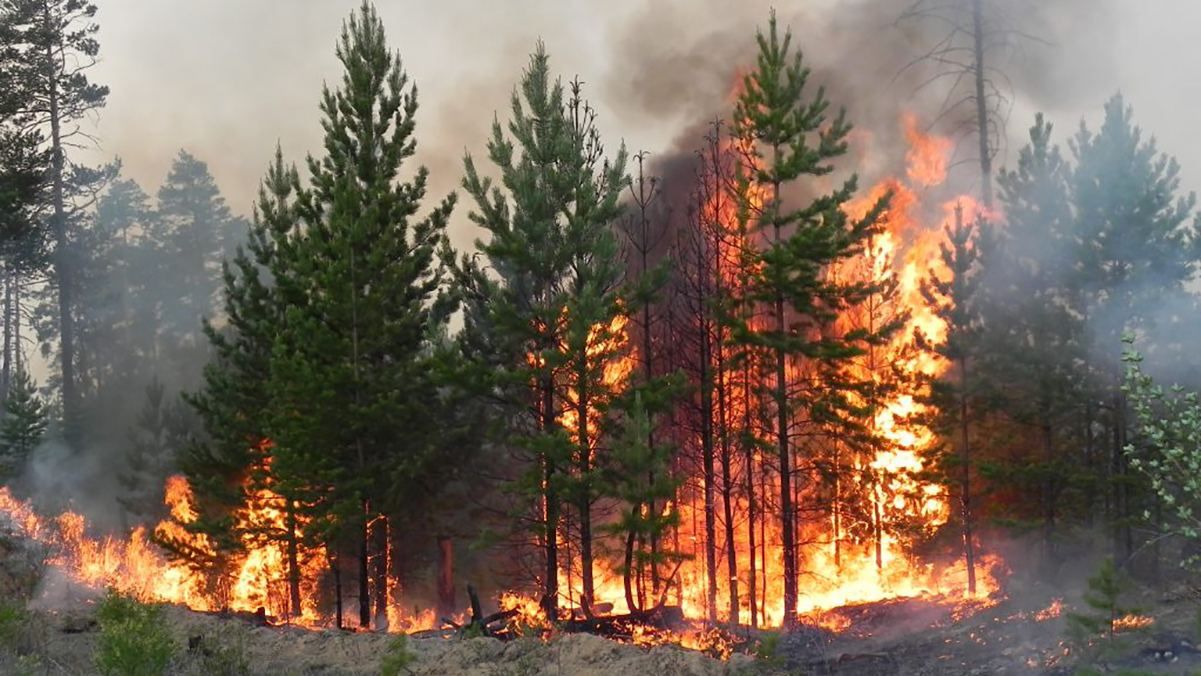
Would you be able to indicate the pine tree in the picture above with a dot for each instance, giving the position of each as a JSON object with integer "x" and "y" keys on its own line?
{"x": 638, "y": 476}
{"x": 159, "y": 435}
{"x": 50, "y": 45}
{"x": 955, "y": 300}
{"x": 350, "y": 379}
{"x": 23, "y": 426}
{"x": 194, "y": 231}
{"x": 1136, "y": 244}
{"x": 1029, "y": 361}
{"x": 787, "y": 136}
{"x": 554, "y": 312}
{"x": 23, "y": 239}
{"x": 228, "y": 464}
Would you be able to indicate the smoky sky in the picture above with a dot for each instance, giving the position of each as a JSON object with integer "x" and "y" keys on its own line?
{"x": 227, "y": 79}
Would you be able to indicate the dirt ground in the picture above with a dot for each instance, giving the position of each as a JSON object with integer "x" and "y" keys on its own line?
{"x": 905, "y": 637}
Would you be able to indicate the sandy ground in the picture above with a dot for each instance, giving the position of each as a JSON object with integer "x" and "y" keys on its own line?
{"x": 67, "y": 640}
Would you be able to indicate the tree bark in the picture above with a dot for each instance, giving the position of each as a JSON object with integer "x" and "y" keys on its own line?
{"x": 62, "y": 258}
{"x": 295, "y": 608}
{"x": 981, "y": 101}
{"x": 364, "y": 573}
{"x": 969, "y": 546}
{"x": 446, "y": 576}
{"x": 550, "y": 583}
{"x": 382, "y": 563}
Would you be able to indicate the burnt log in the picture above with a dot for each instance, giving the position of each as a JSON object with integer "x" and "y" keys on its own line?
{"x": 664, "y": 617}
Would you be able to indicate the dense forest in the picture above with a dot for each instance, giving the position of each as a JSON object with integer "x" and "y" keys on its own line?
{"x": 740, "y": 380}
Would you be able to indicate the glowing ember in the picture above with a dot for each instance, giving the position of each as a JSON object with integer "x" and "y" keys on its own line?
{"x": 1050, "y": 612}
{"x": 1132, "y": 622}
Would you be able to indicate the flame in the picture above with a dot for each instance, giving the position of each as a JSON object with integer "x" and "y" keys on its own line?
{"x": 1132, "y": 622}
{"x": 1050, "y": 612}
{"x": 860, "y": 554}
{"x": 135, "y": 565}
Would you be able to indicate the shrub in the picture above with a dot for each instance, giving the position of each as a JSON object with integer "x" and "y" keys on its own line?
{"x": 133, "y": 638}
{"x": 397, "y": 658}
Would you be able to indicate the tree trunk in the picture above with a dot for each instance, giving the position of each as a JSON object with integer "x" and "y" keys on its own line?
{"x": 749, "y": 452}
{"x": 780, "y": 394}
{"x": 336, "y": 567}
{"x": 969, "y": 547}
{"x": 584, "y": 503}
{"x": 446, "y": 576}
{"x": 382, "y": 561}
{"x": 9, "y": 314}
{"x": 364, "y": 570}
{"x": 294, "y": 603}
{"x": 981, "y": 103}
{"x": 709, "y": 477}
{"x": 550, "y": 583}
{"x": 62, "y": 261}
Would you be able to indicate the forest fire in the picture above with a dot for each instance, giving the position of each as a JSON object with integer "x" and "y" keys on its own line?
{"x": 878, "y": 503}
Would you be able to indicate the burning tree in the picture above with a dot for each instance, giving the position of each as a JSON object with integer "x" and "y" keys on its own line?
{"x": 551, "y": 296}
{"x": 787, "y": 135}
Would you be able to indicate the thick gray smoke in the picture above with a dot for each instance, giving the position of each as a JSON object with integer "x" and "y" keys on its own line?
{"x": 227, "y": 80}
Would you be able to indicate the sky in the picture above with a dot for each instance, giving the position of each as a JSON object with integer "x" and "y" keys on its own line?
{"x": 228, "y": 79}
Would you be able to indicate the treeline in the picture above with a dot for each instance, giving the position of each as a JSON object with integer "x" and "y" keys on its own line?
{"x": 99, "y": 279}
{"x": 600, "y": 365}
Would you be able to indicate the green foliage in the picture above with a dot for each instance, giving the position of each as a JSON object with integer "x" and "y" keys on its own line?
{"x": 398, "y": 657}
{"x": 1169, "y": 450}
{"x": 14, "y": 619}
{"x": 541, "y": 318}
{"x": 638, "y": 474}
{"x": 134, "y": 640}
{"x": 23, "y": 425}
{"x": 791, "y": 304}
{"x": 767, "y": 649}
{"x": 352, "y": 409}
{"x": 219, "y": 657}
{"x": 1097, "y": 633}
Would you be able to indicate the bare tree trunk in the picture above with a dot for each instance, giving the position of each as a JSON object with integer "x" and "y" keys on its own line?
{"x": 294, "y": 603}
{"x": 981, "y": 103}
{"x": 336, "y": 566}
{"x": 446, "y": 576}
{"x": 780, "y": 394}
{"x": 62, "y": 259}
{"x": 382, "y": 562}
{"x": 969, "y": 547}
{"x": 364, "y": 571}
{"x": 550, "y": 583}
{"x": 709, "y": 477}
{"x": 9, "y": 325}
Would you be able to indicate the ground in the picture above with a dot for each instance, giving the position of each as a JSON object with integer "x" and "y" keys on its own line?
{"x": 1021, "y": 634}
{"x": 900, "y": 637}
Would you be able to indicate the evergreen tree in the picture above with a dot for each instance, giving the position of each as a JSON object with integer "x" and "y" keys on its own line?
{"x": 350, "y": 372}
{"x": 229, "y": 462}
{"x": 23, "y": 239}
{"x": 787, "y": 136}
{"x": 1030, "y": 360}
{"x": 955, "y": 300}
{"x": 1135, "y": 249}
{"x": 160, "y": 433}
{"x": 554, "y": 310}
{"x": 23, "y": 426}
{"x": 49, "y": 47}
{"x": 638, "y": 475}
{"x": 193, "y": 231}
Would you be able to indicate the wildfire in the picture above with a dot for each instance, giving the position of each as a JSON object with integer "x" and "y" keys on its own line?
{"x": 1132, "y": 622}
{"x": 879, "y": 502}
{"x": 137, "y": 566}
{"x": 1050, "y": 612}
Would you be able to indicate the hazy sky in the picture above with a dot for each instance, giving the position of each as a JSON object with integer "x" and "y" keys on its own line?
{"x": 226, "y": 79}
